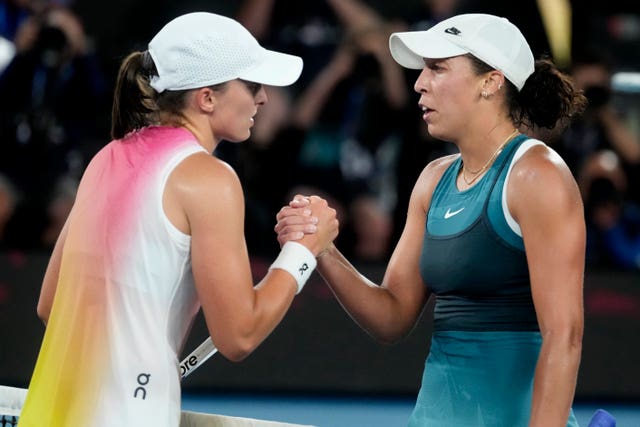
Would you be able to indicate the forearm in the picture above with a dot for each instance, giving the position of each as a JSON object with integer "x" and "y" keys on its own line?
{"x": 273, "y": 297}
{"x": 555, "y": 380}
{"x": 314, "y": 98}
{"x": 246, "y": 320}
{"x": 393, "y": 80}
{"x": 374, "y": 308}
{"x": 354, "y": 15}
{"x": 51, "y": 276}
{"x": 255, "y": 15}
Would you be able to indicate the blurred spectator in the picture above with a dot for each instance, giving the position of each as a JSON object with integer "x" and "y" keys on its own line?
{"x": 601, "y": 127}
{"x": 267, "y": 167}
{"x": 355, "y": 139}
{"x": 48, "y": 129}
{"x": 338, "y": 134}
{"x": 613, "y": 227}
{"x": 306, "y": 28}
{"x": 7, "y": 51}
{"x": 525, "y": 14}
{"x": 417, "y": 148}
{"x": 612, "y": 26}
{"x": 8, "y": 202}
{"x": 604, "y": 155}
{"x": 13, "y": 13}
{"x": 424, "y": 14}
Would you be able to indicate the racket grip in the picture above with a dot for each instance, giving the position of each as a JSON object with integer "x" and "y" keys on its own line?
{"x": 197, "y": 357}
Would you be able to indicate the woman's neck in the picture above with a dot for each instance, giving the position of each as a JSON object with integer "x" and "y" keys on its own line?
{"x": 202, "y": 132}
{"x": 480, "y": 146}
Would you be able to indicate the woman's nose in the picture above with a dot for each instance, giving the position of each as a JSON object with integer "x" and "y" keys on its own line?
{"x": 420, "y": 85}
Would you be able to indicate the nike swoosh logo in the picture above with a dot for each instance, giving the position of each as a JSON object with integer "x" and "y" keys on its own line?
{"x": 448, "y": 214}
{"x": 453, "y": 30}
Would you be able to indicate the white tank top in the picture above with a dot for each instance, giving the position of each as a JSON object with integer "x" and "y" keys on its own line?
{"x": 125, "y": 297}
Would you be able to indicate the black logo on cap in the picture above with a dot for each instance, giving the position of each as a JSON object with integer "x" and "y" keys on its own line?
{"x": 452, "y": 30}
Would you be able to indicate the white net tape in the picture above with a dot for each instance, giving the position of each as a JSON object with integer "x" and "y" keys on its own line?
{"x": 197, "y": 419}
{"x": 12, "y": 399}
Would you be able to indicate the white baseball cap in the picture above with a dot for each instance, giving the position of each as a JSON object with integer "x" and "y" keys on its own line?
{"x": 203, "y": 49}
{"x": 492, "y": 39}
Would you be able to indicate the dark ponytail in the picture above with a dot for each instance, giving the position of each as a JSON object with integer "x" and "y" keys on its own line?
{"x": 134, "y": 101}
{"x": 547, "y": 99}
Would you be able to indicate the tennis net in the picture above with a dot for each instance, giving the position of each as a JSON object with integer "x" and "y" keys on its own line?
{"x": 12, "y": 399}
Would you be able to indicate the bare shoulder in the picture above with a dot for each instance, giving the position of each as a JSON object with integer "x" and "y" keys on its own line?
{"x": 201, "y": 191}
{"x": 203, "y": 163}
{"x": 428, "y": 179}
{"x": 435, "y": 169}
{"x": 203, "y": 173}
{"x": 539, "y": 166}
{"x": 541, "y": 180}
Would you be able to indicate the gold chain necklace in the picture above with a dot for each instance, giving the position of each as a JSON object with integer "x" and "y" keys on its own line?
{"x": 478, "y": 173}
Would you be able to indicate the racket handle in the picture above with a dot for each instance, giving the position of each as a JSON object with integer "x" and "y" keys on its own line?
{"x": 197, "y": 357}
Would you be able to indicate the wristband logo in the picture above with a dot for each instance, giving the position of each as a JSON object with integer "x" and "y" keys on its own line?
{"x": 303, "y": 269}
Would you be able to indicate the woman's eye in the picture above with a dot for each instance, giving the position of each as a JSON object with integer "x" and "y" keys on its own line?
{"x": 254, "y": 88}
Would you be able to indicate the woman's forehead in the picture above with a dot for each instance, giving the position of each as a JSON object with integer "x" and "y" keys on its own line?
{"x": 454, "y": 62}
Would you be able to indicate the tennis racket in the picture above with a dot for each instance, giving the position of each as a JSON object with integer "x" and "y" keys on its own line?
{"x": 197, "y": 357}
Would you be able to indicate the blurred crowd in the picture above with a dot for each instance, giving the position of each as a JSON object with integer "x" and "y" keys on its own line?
{"x": 350, "y": 129}
{"x": 53, "y": 93}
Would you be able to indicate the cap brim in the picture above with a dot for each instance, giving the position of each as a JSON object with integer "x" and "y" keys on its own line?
{"x": 275, "y": 69}
{"x": 410, "y": 48}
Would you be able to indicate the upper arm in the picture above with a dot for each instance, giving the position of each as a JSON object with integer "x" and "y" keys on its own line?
{"x": 51, "y": 276}
{"x": 544, "y": 199}
{"x": 403, "y": 278}
{"x": 211, "y": 196}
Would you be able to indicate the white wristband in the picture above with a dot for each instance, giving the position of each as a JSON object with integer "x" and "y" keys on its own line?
{"x": 297, "y": 260}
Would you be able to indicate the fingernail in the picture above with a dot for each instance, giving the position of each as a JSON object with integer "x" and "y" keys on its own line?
{"x": 311, "y": 228}
{"x": 306, "y": 212}
{"x": 299, "y": 235}
{"x": 314, "y": 219}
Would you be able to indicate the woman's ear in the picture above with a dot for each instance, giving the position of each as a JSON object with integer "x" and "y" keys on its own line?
{"x": 493, "y": 82}
{"x": 205, "y": 99}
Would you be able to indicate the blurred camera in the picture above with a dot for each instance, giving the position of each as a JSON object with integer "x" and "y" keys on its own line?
{"x": 52, "y": 46}
{"x": 597, "y": 96}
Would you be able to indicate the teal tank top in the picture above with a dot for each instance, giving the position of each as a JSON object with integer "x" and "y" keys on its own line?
{"x": 471, "y": 260}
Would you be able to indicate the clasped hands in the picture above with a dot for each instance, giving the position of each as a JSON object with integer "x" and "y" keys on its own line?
{"x": 308, "y": 220}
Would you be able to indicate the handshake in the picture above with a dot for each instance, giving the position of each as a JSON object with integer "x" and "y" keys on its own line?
{"x": 306, "y": 229}
{"x": 309, "y": 221}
